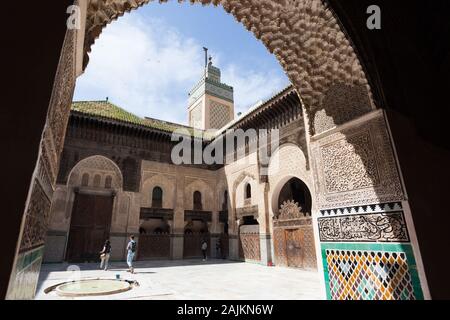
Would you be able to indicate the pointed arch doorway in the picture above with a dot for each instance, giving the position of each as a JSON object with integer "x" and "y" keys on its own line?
{"x": 293, "y": 231}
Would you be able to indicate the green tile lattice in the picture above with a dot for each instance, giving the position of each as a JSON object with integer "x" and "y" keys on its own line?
{"x": 370, "y": 272}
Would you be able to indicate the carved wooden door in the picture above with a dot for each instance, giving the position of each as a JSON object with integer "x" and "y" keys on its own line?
{"x": 279, "y": 243}
{"x": 294, "y": 249}
{"x": 89, "y": 227}
{"x": 192, "y": 245}
{"x": 154, "y": 246}
{"x": 249, "y": 246}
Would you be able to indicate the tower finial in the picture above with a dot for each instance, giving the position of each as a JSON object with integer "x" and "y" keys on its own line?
{"x": 206, "y": 56}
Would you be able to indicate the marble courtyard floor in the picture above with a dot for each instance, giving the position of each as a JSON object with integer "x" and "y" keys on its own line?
{"x": 193, "y": 280}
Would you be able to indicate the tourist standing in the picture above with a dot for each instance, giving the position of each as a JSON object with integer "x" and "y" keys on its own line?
{"x": 204, "y": 248}
{"x": 105, "y": 254}
{"x": 131, "y": 251}
{"x": 219, "y": 248}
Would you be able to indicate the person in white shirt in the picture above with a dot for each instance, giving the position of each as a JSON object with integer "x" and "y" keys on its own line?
{"x": 131, "y": 251}
{"x": 204, "y": 248}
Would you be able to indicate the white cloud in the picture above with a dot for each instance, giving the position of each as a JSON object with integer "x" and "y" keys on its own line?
{"x": 250, "y": 86}
{"x": 148, "y": 67}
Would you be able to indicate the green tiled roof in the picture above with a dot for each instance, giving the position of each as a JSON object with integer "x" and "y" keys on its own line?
{"x": 108, "y": 110}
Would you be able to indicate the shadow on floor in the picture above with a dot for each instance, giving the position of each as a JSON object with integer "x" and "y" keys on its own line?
{"x": 121, "y": 266}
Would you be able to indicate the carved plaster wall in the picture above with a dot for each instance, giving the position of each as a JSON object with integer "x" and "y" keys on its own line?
{"x": 356, "y": 166}
{"x": 167, "y": 182}
{"x": 206, "y": 189}
{"x": 94, "y": 167}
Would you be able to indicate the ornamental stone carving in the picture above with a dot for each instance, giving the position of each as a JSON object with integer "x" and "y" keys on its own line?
{"x": 290, "y": 210}
{"x": 379, "y": 227}
{"x": 95, "y": 166}
{"x": 37, "y": 219}
{"x": 358, "y": 151}
{"x": 341, "y": 103}
{"x": 247, "y": 212}
{"x": 356, "y": 166}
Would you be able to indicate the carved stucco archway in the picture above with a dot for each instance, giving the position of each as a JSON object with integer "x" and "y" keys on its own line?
{"x": 287, "y": 162}
{"x": 166, "y": 183}
{"x": 313, "y": 50}
{"x": 305, "y": 37}
{"x": 206, "y": 191}
{"x": 96, "y": 165}
{"x": 243, "y": 176}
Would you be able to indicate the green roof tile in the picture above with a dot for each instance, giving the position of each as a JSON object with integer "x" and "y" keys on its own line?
{"x": 108, "y": 110}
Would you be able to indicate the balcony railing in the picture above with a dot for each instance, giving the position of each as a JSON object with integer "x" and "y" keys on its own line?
{"x": 198, "y": 215}
{"x": 156, "y": 213}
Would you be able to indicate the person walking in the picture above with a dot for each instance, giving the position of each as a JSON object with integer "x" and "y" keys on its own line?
{"x": 219, "y": 248}
{"x": 105, "y": 255}
{"x": 204, "y": 248}
{"x": 131, "y": 251}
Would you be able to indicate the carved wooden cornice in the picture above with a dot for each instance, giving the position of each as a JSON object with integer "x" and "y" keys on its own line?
{"x": 247, "y": 212}
{"x": 156, "y": 213}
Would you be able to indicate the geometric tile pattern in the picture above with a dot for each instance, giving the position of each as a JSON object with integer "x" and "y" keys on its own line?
{"x": 219, "y": 115}
{"x": 369, "y": 275}
{"x": 374, "y": 208}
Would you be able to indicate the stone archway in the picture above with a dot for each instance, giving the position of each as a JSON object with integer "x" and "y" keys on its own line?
{"x": 96, "y": 166}
{"x": 293, "y": 234}
{"x": 92, "y": 186}
{"x": 349, "y": 139}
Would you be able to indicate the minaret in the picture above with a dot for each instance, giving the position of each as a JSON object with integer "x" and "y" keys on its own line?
{"x": 211, "y": 102}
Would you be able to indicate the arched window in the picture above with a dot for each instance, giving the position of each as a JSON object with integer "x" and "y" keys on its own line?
{"x": 225, "y": 201}
{"x": 97, "y": 179}
{"x": 85, "y": 180}
{"x": 248, "y": 191}
{"x": 197, "y": 200}
{"x": 108, "y": 182}
{"x": 157, "y": 197}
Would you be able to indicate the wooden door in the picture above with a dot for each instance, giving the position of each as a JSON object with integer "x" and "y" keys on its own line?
{"x": 279, "y": 244}
{"x": 294, "y": 250}
{"x": 192, "y": 244}
{"x": 249, "y": 246}
{"x": 154, "y": 246}
{"x": 89, "y": 227}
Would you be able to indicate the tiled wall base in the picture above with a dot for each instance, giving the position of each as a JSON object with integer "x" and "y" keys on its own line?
{"x": 373, "y": 271}
{"x": 25, "y": 277}
{"x": 55, "y": 246}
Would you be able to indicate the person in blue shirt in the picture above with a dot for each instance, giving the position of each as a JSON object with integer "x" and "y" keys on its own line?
{"x": 131, "y": 252}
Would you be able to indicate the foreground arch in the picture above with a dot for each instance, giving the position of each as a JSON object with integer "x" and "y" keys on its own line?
{"x": 350, "y": 139}
{"x": 304, "y": 36}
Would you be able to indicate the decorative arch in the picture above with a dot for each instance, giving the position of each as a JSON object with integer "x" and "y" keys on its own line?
{"x": 239, "y": 199}
{"x": 167, "y": 185}
{"x": 221, "y": 189}
{"x": 244, "y": 175}
{"x": 287, "y": 162}
{"x": 248, "y": 191}
{"x": 99, "y": 167}
{"x": 307, "y": 40}
{"x": 206, "y": 191}
{"x": 157, "y": 197}
{"x": 197, "y": 200}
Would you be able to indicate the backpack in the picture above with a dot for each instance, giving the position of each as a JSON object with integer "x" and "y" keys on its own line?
{"x": 133, "y": 246}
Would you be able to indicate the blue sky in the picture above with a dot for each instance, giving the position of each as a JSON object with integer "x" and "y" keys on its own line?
{"x": 147, "y": 61}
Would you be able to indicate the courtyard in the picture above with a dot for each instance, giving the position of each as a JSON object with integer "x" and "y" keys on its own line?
{"x": 191, "y": 280}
